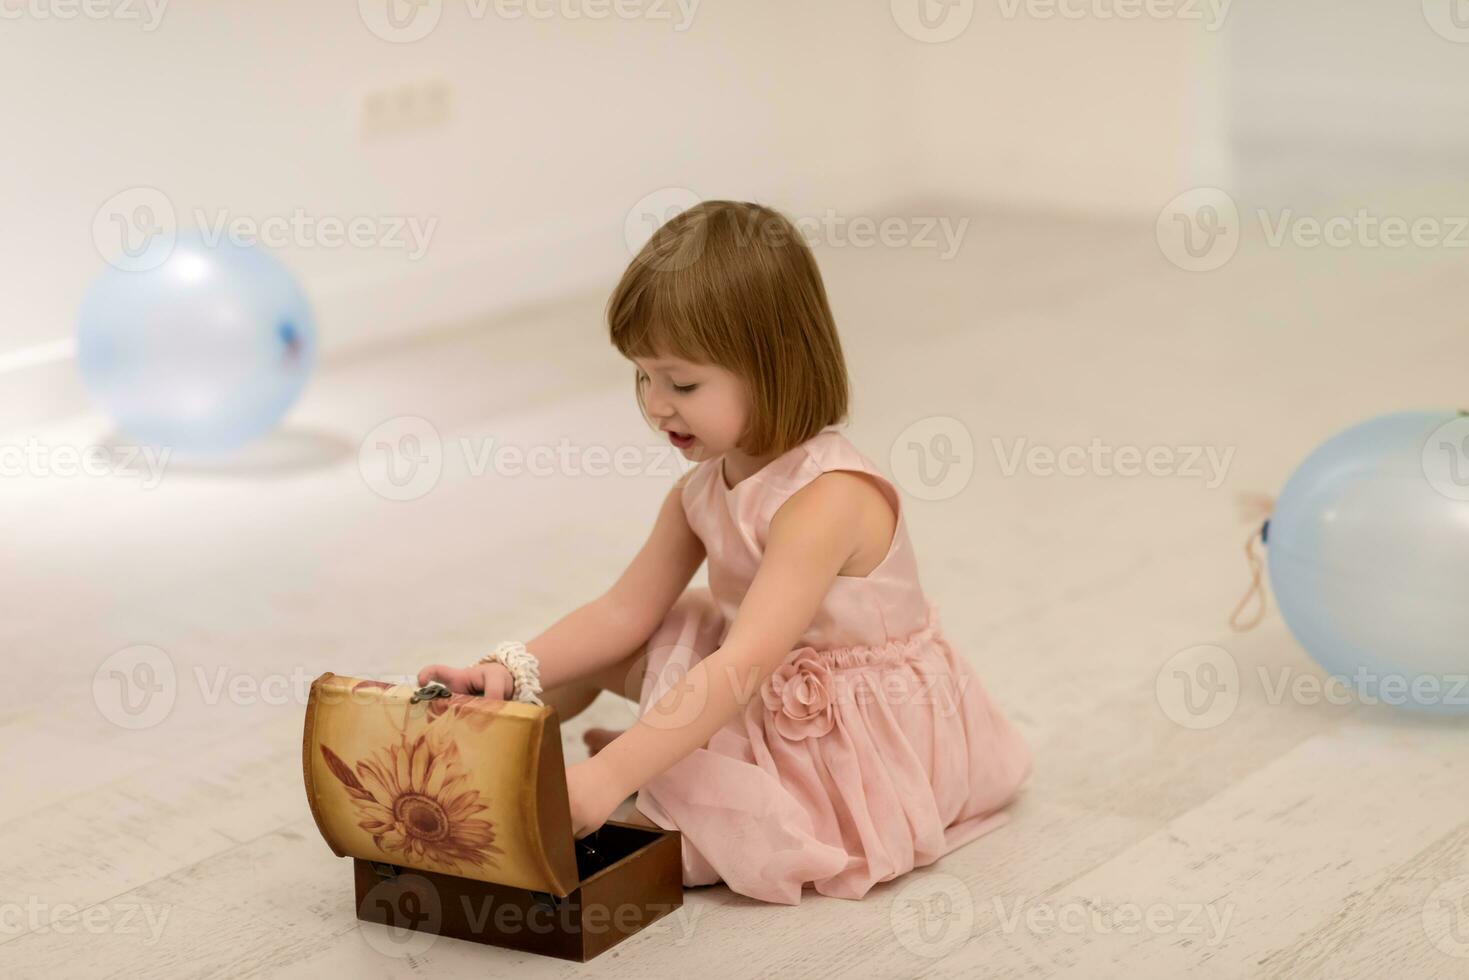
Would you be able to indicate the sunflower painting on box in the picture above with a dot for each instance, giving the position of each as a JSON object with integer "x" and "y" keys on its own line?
{"x": 411, "y": 787}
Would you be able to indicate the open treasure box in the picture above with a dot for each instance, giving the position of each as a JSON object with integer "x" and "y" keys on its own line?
{"x": 454, "y": 810}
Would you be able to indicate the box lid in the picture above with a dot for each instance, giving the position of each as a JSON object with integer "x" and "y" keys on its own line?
{"x": 461, "y": 785}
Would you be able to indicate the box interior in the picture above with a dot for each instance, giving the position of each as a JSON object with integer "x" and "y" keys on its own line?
{"x": 609, "y": 844}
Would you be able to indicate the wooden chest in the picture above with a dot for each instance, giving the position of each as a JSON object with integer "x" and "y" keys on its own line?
{"x": 454, "y": 811}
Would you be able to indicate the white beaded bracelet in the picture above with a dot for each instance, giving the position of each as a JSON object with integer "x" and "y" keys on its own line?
{"x": 523, "y": 667}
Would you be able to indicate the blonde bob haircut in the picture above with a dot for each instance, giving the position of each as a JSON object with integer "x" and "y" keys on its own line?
{"x": 733, "y": 284}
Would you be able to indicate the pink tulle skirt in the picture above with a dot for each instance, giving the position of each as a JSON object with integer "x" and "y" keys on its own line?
{"x": 847, "y": 767}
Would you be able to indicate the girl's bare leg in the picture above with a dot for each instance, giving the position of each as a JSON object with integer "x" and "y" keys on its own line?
{"x": 624, "y": 678}
{"x": 572, "y": 699}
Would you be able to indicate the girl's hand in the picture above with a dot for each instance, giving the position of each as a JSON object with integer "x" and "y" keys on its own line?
{"x": 593, "y": 793}
{"x": 491, "y": 680}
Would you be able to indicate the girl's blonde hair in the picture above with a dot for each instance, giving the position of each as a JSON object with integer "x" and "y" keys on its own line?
{"x": 733, "y": 284}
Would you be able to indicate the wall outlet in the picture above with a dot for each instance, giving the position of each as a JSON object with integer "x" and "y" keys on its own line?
{"x": 404, "y": 108}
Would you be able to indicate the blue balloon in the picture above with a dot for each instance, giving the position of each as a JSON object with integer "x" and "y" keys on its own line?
{"x": 1369, "y": 559}
{"x": 203, "y": 351}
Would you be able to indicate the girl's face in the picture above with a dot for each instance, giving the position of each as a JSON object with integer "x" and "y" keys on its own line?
{"x": 702, "y": 407}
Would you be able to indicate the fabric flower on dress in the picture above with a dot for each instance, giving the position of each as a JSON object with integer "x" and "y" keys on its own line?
{"x": 800, "y": 696}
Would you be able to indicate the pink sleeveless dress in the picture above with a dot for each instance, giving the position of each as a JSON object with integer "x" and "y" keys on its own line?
{"x": 872, "y": 750}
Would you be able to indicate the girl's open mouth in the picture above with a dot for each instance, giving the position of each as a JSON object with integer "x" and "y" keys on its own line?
{"x": 680, "y": 440}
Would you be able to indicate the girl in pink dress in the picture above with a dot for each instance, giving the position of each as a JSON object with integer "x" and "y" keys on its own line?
{"x": 871, "y": 750}
{"x": 803, "y": 721}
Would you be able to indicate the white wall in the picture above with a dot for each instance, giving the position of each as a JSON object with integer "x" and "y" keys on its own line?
{"x": 1090, "y": 115}
{"x": 556, "y": 129}
{"x": 1329, "y": 98}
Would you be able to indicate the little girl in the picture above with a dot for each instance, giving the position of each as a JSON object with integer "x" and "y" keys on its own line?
{"x": 803, "y": 720}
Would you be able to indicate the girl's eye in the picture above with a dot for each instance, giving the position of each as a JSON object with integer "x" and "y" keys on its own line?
{"x": 681, "y": 389}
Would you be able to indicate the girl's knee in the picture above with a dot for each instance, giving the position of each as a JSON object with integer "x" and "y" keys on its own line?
{"x": 693, "y": 621}
{"x": 697, "y": 599}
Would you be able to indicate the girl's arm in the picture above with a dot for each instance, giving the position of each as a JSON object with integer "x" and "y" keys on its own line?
{"x": 614, "y": 626}
{"x": 610, "y": 627}
{"x": 811, "y": 537}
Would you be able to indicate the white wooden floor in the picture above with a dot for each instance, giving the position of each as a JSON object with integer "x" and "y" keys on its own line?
{"x": 1287, "y": 839}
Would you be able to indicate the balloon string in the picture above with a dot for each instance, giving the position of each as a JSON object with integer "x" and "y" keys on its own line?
{"x": 1257, "y": 568}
